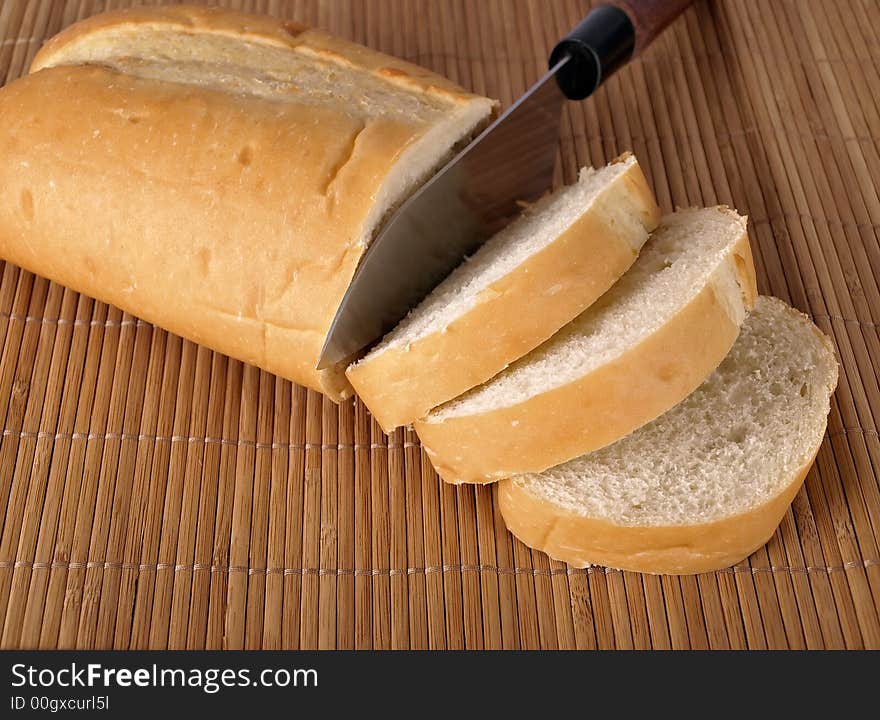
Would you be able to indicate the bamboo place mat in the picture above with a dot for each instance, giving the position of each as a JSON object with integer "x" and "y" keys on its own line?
{"x": 156, "y": 494}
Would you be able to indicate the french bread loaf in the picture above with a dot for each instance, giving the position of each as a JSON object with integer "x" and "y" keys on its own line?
{"x": 640, "y": 349}
{"x": 707, "y": 483}
{"x": 216, "y": 173}
{"x": 515, "y": 292}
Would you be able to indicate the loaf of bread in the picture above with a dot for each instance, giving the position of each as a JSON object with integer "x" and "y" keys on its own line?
{"x": 632, "y": 355}
{"x": 216, "y": 173}
{"x": 515, "y": 292}
{"x": 704, "y": 485}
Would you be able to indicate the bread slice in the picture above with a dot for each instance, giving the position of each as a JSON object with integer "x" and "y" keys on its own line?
{"x": 640, "y": 349}
{"x": 516, "y": 291}
{"x": 217, "y": 173}
{"x": 704, "y": 485}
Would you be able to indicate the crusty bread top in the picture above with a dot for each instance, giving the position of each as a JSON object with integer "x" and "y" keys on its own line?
{"x": 133, "y": 32}
{"x": 729, "y": 447}
{"x": 421, "y": 115}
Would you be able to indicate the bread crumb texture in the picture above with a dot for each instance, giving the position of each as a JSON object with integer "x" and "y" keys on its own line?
{"x": 729, "y": 447}
{"x": 672, "y": 268}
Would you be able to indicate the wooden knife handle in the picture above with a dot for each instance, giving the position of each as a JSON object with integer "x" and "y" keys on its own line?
{"x": 606, "y": 39}
{"x": 650, "y": 17}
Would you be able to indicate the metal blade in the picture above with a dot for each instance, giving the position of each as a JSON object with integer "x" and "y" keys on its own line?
{"x": 449, "y": 217}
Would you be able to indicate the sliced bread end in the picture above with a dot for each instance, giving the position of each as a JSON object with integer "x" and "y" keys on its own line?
{"x": 707, "y": 483}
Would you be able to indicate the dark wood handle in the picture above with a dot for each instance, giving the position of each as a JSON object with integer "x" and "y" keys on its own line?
{"x": 606, "y": 39}
{"x": 649, "y": 17}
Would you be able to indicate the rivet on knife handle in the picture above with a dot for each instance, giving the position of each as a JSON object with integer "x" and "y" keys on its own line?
{"x": 606, "y": 39}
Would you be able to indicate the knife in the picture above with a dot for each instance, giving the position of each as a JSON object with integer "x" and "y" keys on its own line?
{"x": 481, "y": 189}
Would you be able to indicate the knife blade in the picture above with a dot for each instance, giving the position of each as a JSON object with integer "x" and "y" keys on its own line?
{"x": 469, "y": 200}
{"x": 480, "y": 190}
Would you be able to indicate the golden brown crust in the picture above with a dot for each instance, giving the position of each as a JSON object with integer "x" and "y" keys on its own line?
{"x": 233, "y": 220}
{"x": 681, "y": 550}
{"x": 186, "y": 18}
{"x": 252, "y": 28}
{"x": 605, "y": 404}
{"x": 511, "y": 317}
